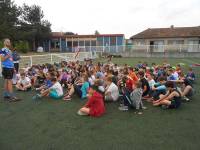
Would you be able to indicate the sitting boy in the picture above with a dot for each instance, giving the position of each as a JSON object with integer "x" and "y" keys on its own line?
{"x": 55, "y": 91}
{"x": 158, "y": 88}
{"x": 24, "y": 83}
{"x": 135, "y": 100}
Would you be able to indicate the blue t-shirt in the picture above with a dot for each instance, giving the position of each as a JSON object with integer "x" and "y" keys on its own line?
{"x": 8, "y": 63}
{"x": 48, "y": 83}
{"x": 171, "y": 77}
{"x": 160, "y": 87}
{"x": 84, "y": 89}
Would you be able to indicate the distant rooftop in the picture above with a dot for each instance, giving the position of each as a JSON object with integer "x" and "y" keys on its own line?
{"x": 172, "y": 32}
{"x": 63, "y": 35}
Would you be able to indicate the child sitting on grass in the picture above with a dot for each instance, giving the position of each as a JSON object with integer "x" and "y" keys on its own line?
{"x": 55, "y": 91}
{"x": 95, "y": 105}
{"x": 190, "y": 75}
{"x": 24, "y": 83}
{"x": 47, "y": 83}
{"x": 135, "y": 100}
{"x": 172, "y": 99}
{"x": 81, "y": 88}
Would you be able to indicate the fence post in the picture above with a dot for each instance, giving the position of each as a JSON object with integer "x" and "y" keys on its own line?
{"x": 51, "y": 58}
{"x": 180, "y": 48}
{"x": 31, "y": 60}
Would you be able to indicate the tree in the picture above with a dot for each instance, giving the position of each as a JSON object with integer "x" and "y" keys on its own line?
{"x": 69, "y": 33}
{"x": 33, "y": 26}
{"x": 96, "y": 32}
{"x": 24, "y": 23}
{"x": 9, "y": 13}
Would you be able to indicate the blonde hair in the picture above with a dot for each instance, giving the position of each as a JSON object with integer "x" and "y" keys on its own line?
{"x": 7, "y": 42}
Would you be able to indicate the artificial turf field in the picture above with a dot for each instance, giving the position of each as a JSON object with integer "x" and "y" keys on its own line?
{"x": 54, "y": 125}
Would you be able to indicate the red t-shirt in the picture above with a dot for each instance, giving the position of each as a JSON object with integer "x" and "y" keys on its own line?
{"x": 129, "y": 84}
{"x": 96, "y": 105}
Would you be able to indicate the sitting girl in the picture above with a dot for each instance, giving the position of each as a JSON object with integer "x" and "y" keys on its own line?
{"x": 172, "y": 99}
{"x": 95, "y": 106}
{"x": 80, "y": 87}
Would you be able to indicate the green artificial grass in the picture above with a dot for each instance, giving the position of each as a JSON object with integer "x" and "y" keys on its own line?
{"x": 54, "y": 125}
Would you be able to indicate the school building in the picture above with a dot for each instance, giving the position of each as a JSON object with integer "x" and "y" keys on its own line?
{"x": 181, "y": 39}
{"x": 61, "y": 42}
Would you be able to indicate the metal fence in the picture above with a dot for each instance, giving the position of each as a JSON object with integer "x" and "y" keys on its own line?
{"x": 143, "y": 48}
{"x": 179, "y": 50}
{"x": 54, "y": 57}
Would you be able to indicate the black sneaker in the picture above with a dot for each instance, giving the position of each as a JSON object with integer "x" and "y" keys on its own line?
{"x": 6, "y": 98}
{"x": 14, "y": 99}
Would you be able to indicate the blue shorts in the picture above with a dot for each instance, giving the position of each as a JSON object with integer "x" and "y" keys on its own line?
{"x": 53, "y": 94}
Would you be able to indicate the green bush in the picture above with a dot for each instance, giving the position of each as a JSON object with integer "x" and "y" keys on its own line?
{"x": 1, "y": 44}
{"x": 22, "y": 46}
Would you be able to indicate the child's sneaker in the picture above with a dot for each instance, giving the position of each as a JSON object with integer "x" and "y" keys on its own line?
{"x": 138, "y": 112}
{"x": 36, "y": 97}
{"x": 164, "y": 107}
{"x": 186, "y": 99}
{"x": 121, "y": 105}
{"x": 144, "y": 107}
{"x": 123, "y": 108}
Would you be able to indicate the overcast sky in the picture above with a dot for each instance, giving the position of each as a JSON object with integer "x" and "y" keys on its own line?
{"x": 117, "y": 16}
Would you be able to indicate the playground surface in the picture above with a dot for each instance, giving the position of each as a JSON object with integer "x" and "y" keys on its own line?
{"x": 54, "y": 125}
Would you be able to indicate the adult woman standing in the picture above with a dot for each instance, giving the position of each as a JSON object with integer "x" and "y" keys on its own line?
{"x": 7, "y": 71}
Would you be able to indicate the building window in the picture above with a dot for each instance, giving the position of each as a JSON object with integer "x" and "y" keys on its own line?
{"x": 140, "y": 42}
{"x": 106, "y": 41}
{"x": 175, "y": 42}
{"x": 193, "y": 45}
{"x": 55, "y": 43}
{"x": 93, "y": 43}
{"x": 75, "y": 43}
{"x": 87, "y": 43}
{"x": 158, "y": 46}
{"x": 120, "y": 40}
{"x": 100, "y": 41}
{"x": 81, "y": 43}
{"x": 112, "y": 41}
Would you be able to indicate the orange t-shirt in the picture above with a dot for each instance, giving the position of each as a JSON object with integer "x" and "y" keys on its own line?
{"x": 133, "y": 76}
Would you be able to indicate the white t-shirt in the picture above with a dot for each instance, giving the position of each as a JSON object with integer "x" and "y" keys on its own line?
{"x": 24, "y": 81}
{"x": 151, "y": 83}
{"x": 57, "y": 86}
{"x": 113, "y": 89}
{"x": 91, "y": 80}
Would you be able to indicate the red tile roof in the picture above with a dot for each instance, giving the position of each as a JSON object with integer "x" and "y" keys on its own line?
{"x": 173, "y": 32}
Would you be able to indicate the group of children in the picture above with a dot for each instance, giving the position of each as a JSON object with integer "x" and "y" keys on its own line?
{"x": 162, "y": 85}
